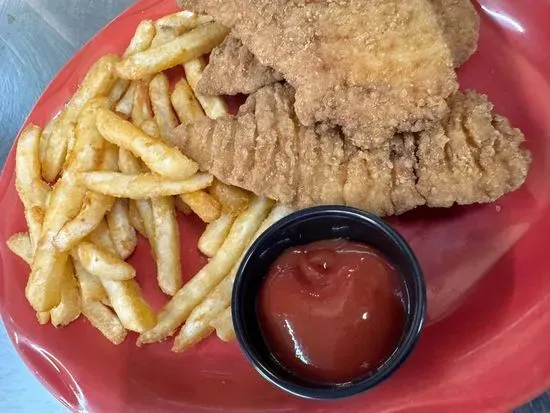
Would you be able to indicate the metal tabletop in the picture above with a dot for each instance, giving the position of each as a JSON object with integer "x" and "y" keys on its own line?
{"x": 36, "y": 38}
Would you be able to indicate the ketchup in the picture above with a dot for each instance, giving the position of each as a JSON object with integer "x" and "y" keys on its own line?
{"x": 332, "y": 311}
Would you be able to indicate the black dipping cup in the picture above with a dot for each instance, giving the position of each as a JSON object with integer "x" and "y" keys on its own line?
{"x": 304, "y": 227}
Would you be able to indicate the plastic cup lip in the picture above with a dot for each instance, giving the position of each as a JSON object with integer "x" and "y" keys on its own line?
{"x": 416, "y": 316}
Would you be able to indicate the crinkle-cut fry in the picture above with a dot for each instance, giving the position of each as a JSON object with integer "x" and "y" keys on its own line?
{"x": 233, "y": 199}
{"x": 141, "y": 110}
{"x": 215, "y": 233}
{"x": 198, "y": 326}
{"x": 31, "y": 188}
{"x": 135, "y": 218}
{"x": 94, "y": 208}
{"x": 89, "y": 144}
{"x": 20, "y": 244}
{"x": 70, "y": 305}
{"x": 186, "y": 47}
{"x": 167, "y": 245}
{"x": 202, "y": 204}
{"x": 102, "y": 238}
{"x": 125, "y": 105}
{"x": 142, "y": 39}
{"x": 134, "y": 312}
{"x": 194, "y": 291}
{"x": 166, "y": 160}
{"x": 104, "y": 264}
{"x": 182, "y": 206}
{"x": 90, "y": 285}
{"x": 43, "y": 289}
{"x": 214, "y": 106}
{"x": 97, "y": 82}
{"x": 151, "y": 128}
{"x": 142, "y": 186}
{"x": 185, "y": 103}
{"x": 122, "y": 232}
{"x": 105, "y": 320}
{"x": 223, "y": 324}
{"x": 159, "y": 94}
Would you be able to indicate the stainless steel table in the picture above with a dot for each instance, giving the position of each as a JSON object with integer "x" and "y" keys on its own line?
{"x": 36, "y": 39}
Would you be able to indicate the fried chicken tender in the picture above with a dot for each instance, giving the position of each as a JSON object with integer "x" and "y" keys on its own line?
{"x": 377, "y": 65}
{"x": 472, "y": 156}
{"x": 234, "y": 69}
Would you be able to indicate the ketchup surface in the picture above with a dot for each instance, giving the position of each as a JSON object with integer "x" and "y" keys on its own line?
{"x": 332, "y": 311}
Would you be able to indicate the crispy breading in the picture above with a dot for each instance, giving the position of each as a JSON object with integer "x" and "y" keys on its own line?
{"x": 377, "y": 65}
{"x": 232, "y": 69}
{"x": 471, "y": 156}
{"x": 460, "y": 23}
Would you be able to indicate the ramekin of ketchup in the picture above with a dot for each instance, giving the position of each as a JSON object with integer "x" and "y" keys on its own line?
{"x": 328, "y": 302}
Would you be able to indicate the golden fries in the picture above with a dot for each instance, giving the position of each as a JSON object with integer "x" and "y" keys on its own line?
{"x": 141, "y": 186}
{"x": 185, "y": 104}
{"x": 160, "y": 158}
{"x": 31, "y": 188}
{"x": 183, "y": 48}
{"x": 125, "y": 105}
{"x": 233, "y": 199}
{"x": 103, "y": 263}
{"x": 141, "y": 109}
{"x": 182, "y": 21}
{"x": 192, "y": 293}
{"x": 223, "y": 324}
{"x": 122, "y": 232}
{"x": 135, "y": 218}
{"x": 198, "y": 325}
{"x": 70, "y": 306}
{"x": 90, "y": 285}
{"x": 35, "y": 218}
{"x": 214, "y": 106}
{"x": 182, "y": 206}
{"x": 166, "y": 244}
{"x": 150, "y": 128}
{"x": 20, "y": 245}
{"x": 98, "y": 82}
{"x": 102, "y": 238}
{"x": 214, "y": 235}
{"x": 105, "y": 321}
{"x": 159, "y": 94}
{"x": 202, "y": 204}
{"x": 145, "y": 32}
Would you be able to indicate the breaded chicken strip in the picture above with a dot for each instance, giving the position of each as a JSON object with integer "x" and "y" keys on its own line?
{"x": 472, "y": 156}
{"x": 377, "y": 65}
{"x": 234, "y": 69}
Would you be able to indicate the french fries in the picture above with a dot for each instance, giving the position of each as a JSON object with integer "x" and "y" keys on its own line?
{"x": 198, "y": 325}
{"x": 143, "y": 37}
{"x": 150, "y": 128}
{"x": 70, "y": 306}
{"x": 122, "y": 232}
{"x": 186, "y": 47}
{"x": 192, "y": 293}
{"x": 20, "y": 245}
{"x": 90, "y": 285}
{"x": 135, "y": 218}
{"x": 233, "y": 199}
{"x": 159, "y": 94}
{"x": 182, "y": 206}
{"x": 202, "y": 204}
{"x": 97, "y": 82}
{"x": 160, "y": 158}
{"x": 141, "y": 186}
{"x": 223, "y": 324}
{"x": 214, "y": 106}
{"x": 183, "y": 100}
{"x": 103, "y": 263}
{"x": 214, "y": 235}
{"x": 166, "y": 244}
{"x": 102, "y": 238}
{"x": 141, "y": 109}
{"x": 105, "y": 321}
{"x": 125, "y": 105}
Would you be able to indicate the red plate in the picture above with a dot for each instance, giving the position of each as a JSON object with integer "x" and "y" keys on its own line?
{"x": 486, "y": 345}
